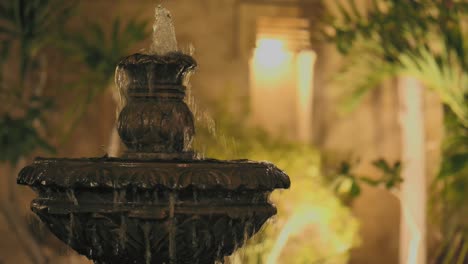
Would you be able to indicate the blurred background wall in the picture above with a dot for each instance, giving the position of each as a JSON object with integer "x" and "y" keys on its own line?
{"x": 224, "y": 34}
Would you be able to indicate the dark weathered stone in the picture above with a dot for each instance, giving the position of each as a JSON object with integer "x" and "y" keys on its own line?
{"x": 156, "y": 203}
{"x": 155, "y": 119}
{"x": 116, "y": 173}
{"x": 109, "y": 226}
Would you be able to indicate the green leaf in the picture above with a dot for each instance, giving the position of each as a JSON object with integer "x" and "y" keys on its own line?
{"x": 453, "y": 164}
{"x": 345, "y": 168}
{"x": 355, "y": 189}
{"x": 343, "y": 12}
{"x": 382, "y": 165}
{"x": 370, "y": 181}
{"x": 355, "y": 10}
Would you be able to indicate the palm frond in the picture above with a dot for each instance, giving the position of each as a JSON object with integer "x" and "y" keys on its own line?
{"x": 446, "y": 78}
{"x": 363, "y": 70}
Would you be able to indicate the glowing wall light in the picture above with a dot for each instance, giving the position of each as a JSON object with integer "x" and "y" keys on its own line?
{"x": 270, "y": 53}
{"x": 282, "y": 87}
{"x": 271, "y": 63}
{"x": 272, "y": 80}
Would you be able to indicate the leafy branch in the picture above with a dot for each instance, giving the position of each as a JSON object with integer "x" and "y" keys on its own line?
{"x": 426, "y": 39}
{"x": 99, "y": 51}
{"x": 348, "y": 185}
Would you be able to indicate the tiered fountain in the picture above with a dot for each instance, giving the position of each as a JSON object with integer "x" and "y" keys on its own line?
{"x": 157, "y": 203}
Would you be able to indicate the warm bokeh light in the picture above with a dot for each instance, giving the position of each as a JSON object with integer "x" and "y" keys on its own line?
{"x": 281, "y": 80}
{"x": 272, "y": 64}
{"x": 310, "y": 225}
{"x": 271, "y": 53}
{"x": 272, "y": 82}
{"x": 304, "y": 217}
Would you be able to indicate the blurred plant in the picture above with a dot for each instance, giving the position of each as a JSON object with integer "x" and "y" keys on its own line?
{"x": 19, "y": 136}
{"x": 99, "y": 51}
{"x": 348, "y": 185}
{"x": 426, "y": 39}
{"x": 312, "y": 226}
{"x": 27, "y": 29}
{"x": 32, "y": 32}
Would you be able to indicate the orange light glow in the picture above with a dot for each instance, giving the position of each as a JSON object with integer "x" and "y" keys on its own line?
{"x": 272, "y": 80}
{"x": 305, "y": 216}
{"x": 272, "y": 63}
{"x": 270, "y": 53}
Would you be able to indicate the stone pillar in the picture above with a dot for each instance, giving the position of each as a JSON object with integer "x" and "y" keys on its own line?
{"x": 413, "y": 189}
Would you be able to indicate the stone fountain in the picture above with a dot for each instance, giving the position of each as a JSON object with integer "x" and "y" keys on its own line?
{"x": 157, "y": 203}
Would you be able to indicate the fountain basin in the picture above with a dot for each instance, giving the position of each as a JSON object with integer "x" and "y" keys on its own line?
{"x": 117, "y": 210}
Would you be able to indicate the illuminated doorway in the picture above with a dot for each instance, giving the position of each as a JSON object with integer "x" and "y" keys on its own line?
{"x": 281, "y": 77}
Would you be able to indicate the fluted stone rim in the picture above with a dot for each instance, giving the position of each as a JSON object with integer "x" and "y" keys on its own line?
{"x": 145, "y": 71}
{"x": 170, "y": 58}
{"x": 113, "y": 173}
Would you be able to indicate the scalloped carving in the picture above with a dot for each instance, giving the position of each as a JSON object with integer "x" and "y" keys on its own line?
{"x": 175, "y": 175}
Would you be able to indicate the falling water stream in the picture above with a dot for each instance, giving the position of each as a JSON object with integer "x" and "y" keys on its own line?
{"x": 172, "y": 228}
{"x": 146, "y": 234}
{"x": 123, "y": 231}
{"x": 72, "y": 197}
{"x": 195, "y": 242}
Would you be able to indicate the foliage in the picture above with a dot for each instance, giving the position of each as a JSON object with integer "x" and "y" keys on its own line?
{"x": 402, "y": 27}
{"x": 348, "y": 185}
{"x": 32, "y": 34}
{"x": 403, "y": 37}
{"x": 26, "y": 29}
{"x": 19, "y": 136}
{"x": 428, "y": 40}
{"x": 32, "y": 23}
{"x": 443, "y": 76}
{"x": 99, "y": 50}
{"x": 312, "y": 226}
